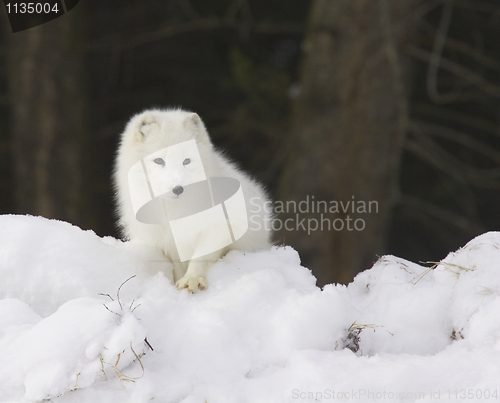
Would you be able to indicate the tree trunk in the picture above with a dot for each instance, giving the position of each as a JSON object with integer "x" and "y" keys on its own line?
{"x": 349, "y": 122}
{"x": 48, "y": 118}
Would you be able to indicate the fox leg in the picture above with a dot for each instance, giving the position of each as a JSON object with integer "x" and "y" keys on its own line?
{"x": 196, "y": 275}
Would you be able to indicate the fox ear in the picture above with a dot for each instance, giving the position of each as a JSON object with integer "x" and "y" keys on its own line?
{"x": 194, "y": 122}
{"x": 145, "y": 125}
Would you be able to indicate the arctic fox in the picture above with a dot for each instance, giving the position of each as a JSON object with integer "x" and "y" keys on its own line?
{"x": 165, "y": 158}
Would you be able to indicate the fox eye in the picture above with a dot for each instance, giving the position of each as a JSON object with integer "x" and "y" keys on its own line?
{"x": 186, "y": 161}
{"x": 159, "y": 161}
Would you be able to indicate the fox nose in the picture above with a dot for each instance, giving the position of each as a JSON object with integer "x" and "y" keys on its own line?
{"x": 178, "y": 190}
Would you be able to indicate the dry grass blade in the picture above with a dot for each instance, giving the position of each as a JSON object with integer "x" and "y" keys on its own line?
{"x": 448, "y": 265}
{"x": 122, "y": 377}
{"x": 421, "y": 275}
{"x": 138, "y": 359}
{"x": 472, "y": 246}
{"x": 102, "y": 367}
{"x": 76, "y": 384}
{"x": 351, "y": 341}
{"x": 361, "y": 326}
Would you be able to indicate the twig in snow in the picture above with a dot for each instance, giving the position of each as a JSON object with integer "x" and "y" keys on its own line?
{"x": 147, "y": 342}
{"x": 117, "y": 314}
{"x": 119, "y": 288}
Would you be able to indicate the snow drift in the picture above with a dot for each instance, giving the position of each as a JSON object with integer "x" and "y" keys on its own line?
{"x": 72, "y": 329}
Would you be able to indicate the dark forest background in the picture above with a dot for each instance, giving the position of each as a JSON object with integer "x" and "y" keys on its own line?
{"x": 396, "y": 101}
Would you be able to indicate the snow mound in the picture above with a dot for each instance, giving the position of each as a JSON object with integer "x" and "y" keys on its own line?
{"x": 73, "y": 329}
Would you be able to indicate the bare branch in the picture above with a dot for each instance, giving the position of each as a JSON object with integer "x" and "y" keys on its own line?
{"x": 437, "y": 52}
{"x": 442, "y": 214}
{"x": 394, "y": 62}
{"x": 419, "y": 150}
{"x": 427, "y": 149}
{"x": 464, "y": 48}
{"x": 459, "y": 71}
{"x": 117, "y": 314}
{"x": 119, "y": 288}
{"x": 477, "y": 5}
{"x": 149, "y": 345}
{"x": 204, "y": 24}
{"x": 426, "y": 8}
{"x": 473, "y": 121}
{"x": 474, "y": 53}
{"x": 459, "y": 137}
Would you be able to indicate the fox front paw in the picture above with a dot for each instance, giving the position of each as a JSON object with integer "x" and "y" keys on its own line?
{"x": 193, "y": 284}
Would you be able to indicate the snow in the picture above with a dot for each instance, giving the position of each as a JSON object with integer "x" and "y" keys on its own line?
{"x": 72, "y": 329}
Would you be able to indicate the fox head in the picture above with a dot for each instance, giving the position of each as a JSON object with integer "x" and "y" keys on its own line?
{"x": 171, "y": 169}
{"x": 174, "y": 148}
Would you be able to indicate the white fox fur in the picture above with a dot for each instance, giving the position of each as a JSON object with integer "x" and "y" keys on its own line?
{"x": 157, "y": 129}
